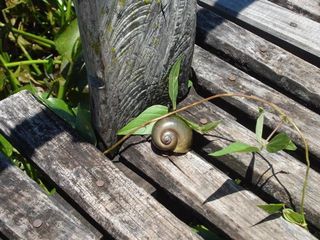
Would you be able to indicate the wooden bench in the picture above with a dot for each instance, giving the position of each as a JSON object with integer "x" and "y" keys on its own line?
{"x": 247, "y": 50}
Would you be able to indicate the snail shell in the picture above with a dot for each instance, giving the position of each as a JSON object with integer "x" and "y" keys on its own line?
{"x": 172, "y": 134}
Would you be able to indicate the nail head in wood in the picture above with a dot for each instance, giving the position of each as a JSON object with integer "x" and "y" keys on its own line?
{"x": 203, "y": 121}
{"x": 263, "y": 49}
{"x": 37, "y": 223}
{"x": 293, "y": 24}
{"x": 99, "y": 183}
{"x": 232, "y": 77}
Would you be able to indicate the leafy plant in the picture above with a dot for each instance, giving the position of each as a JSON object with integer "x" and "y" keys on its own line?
{"x": 40, "y": 51}
{"x": 142, "y": 125}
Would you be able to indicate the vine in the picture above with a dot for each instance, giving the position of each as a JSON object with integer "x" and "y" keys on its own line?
{"x": 142, "y": 125}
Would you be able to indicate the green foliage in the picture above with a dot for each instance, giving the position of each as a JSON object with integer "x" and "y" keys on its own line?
{"x": 150, "y": 113}
{"x": 280, "y": 142}
{"x": 294, "y": 217}
{"x": 272, "y": 208}
{"x": 259, "y": 125}
{"x": 19, "y": 161}
{"x": 67, "y": 41}
{"x": 205, "y": 233}
{"x": 202, "y": 129}
{"x": 5, "y": 147}
{"x": 60, "y": 107}
{"x": 173, "y": 82}
{"x": 236, "y": 147}
{"x": 287, "y": 213}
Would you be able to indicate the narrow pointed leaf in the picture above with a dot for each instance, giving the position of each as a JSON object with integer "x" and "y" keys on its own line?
{"x": 201, "y": 128}
{"x": 272, "y": 207}
{"x": 173, "y": 82}
{"x": 279, "y": 142}
{"x": 236, "y": 147}
{"x": 259, "y": 125}
{"x": 150, "y": 113}
{"x": 291, "y": 146}
{"x": 294, "y": 217}
{"x": 5, "y": 146}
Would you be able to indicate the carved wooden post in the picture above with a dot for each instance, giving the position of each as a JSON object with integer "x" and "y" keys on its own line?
{"x": 129, "y": 47}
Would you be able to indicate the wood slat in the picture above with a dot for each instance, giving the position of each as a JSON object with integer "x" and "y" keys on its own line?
{"x": 212, "y": 194}
{"x": 254, "y": 54}
{"x": 85, "y": 174}
{"x": 310, "y": 8}
{"x": 213, "y": 76}
{"x": 23, "y": 205}
{"x": 273, "y": 19}
{"x": 279, "y": 175}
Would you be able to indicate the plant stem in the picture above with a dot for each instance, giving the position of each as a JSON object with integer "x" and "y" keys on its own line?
{"x": 29, "y": 62}
{"x": 272, "y": 105}
{"x": 25, "y": 52}
{"x": 13, "y": 80}
{"x": 274, "y": 131}
{"x": 31, "y": 36}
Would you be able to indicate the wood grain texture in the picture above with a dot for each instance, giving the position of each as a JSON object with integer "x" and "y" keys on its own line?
{"x": 212, "y": 194}
{"x": 310, "y": 8}
{"x": 129, "y": 47}
{"x": 212, "y": 76}
{"x": 124, "y": 210}
{"x": 141, "y": 182}
{"x": 22, "y": 203}
{"x": 254, "y": 54}
{"x": 279, "y": 175}
{"x": 273, "y": 19}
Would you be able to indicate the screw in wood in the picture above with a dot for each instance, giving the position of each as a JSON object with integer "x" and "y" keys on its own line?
{"x": 37, "y": 223}
{"x": 99, "y": 183}
{"x": 203, "y": 121}
{"x": 293, "y": 24}
{"x": 232, "y": 77}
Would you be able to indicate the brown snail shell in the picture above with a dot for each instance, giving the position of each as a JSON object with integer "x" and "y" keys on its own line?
{"x": 172, "y": 134}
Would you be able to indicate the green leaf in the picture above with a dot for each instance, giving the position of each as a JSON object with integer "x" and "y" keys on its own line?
{"x": 173, "y": 82}
{"x": 5, "y": 147}
{"x": 294, "y": 217}
{"x": 259, "y": 125}
{"x": 190, "y": 84}
{"x": 201, "y": 128}
{"x": 150, "y": 113}
{"x": 279, "y": 142}
{"x": 209, "y": 126}
{"x": 272, "y": 208}
{"x": 291, "y": 146}
{"x": 60, "y": 107}
{"x": 67, "y": 40}
{"x": 234, "y": 148}
{"x": 83, "y": 124}
{"x": 205, "y": 232}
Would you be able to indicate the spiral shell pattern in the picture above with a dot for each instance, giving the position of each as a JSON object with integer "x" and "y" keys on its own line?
{"x": 172, "y": 134}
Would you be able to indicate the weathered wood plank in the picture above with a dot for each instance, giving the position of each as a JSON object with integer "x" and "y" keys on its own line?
{"x": 310, "y": 8}
{"x": 213, "y": 75}
{"x": 28, "y": 213}
{"x": 212, "y": 194}
{"x": 85, "y": 174}
{"x": 141, "y": 182}
{"x": 273, "y": 19}
{"x": 254, "y": 54}
{"x": 129, "y": 47}
{"x": 279, "y": 175}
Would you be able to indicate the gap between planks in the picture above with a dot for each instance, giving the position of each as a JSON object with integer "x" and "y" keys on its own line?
{"x": 253, "y": 54}
{"x": 211, "y": 193}
{"x": 123, "y": 209}
{"x": 273, "y": 19}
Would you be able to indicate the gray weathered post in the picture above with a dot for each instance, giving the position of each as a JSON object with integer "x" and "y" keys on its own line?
{"x": 129, "y": 47}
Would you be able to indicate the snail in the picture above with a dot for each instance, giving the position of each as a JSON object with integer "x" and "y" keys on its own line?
{"x": 172, "y": 134}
